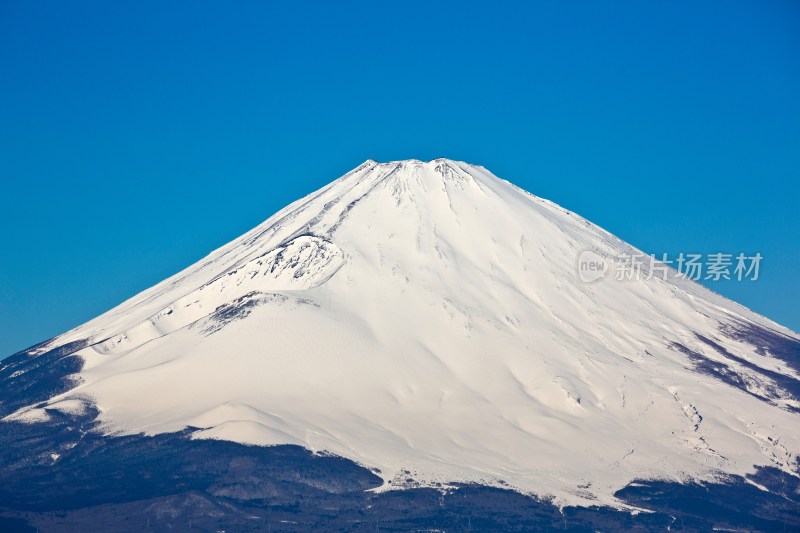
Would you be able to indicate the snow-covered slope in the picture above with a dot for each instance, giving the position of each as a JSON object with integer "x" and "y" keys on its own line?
{"x": 426, "y": 319}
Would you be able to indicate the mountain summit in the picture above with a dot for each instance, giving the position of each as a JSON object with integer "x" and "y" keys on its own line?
{"x": 427, "y": 321}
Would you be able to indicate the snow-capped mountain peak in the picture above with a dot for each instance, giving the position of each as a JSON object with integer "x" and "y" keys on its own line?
{"x": 426, "y": 319}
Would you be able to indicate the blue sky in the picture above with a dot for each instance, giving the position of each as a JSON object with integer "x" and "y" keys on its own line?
{"x": 135, "y": 139}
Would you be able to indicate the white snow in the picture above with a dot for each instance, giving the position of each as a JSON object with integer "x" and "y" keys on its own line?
{"x": 428, "y": 317}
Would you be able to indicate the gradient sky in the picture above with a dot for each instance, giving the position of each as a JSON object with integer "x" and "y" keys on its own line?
{"x": 135, "y": 139}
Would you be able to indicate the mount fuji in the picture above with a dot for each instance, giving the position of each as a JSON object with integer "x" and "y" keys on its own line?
{"x": 411, "y": 345}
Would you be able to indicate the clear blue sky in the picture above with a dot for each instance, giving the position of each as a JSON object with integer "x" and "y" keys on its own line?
{"x": 135, "y": 139}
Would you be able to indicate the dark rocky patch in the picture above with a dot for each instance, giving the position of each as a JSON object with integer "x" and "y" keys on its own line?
{"x": 37, "y": 378}
{"x": 766, "y": 341}
{"x": 730, "y": 504}
{"x": 713, "y": 368}
{"x": 785, "y": 386}
{"x": 788, "y": 385}
{"x": 238, "y": 309}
